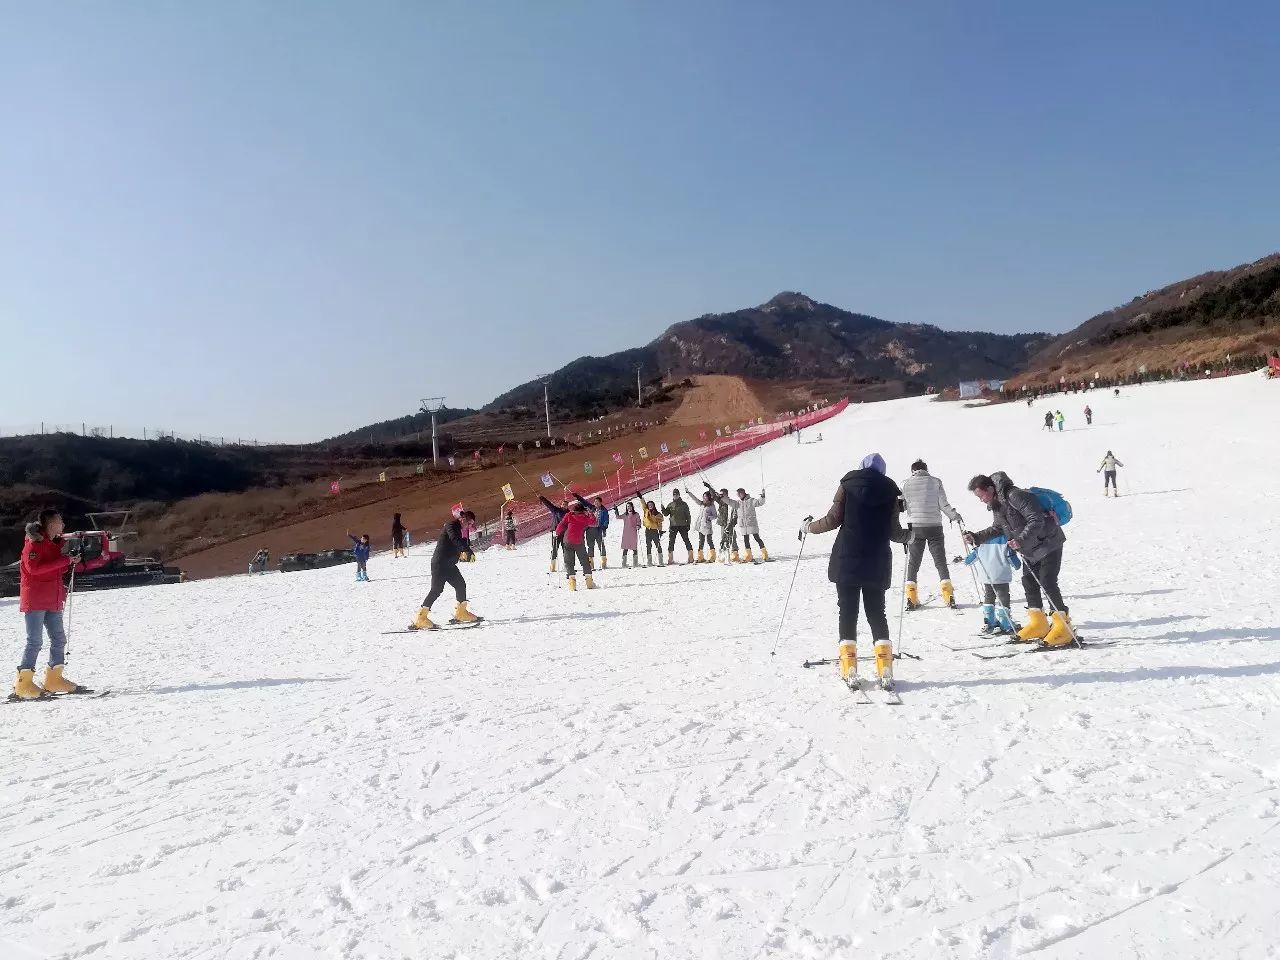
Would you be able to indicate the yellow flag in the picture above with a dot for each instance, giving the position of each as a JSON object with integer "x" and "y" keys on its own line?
{"x": 508, "y": 492}
{"x": 382, "y": 477}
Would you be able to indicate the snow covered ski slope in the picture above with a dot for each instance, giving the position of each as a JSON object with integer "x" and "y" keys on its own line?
{"x": 626, "y": 772}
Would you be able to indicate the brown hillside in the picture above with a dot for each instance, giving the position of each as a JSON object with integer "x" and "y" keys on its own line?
{"x": 717, "y": 399}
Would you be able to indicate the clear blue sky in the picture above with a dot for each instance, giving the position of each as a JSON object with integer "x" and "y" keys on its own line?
{"x": 288, "y": 219}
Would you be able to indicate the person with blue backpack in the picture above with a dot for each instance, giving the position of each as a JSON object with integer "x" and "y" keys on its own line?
{"x": 1032, "y": 521}
{"x": 995, "y": 564}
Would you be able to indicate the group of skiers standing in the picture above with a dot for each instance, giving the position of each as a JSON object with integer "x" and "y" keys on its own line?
{"x": 867, "y": 513}
{"x": 579, "y": 527}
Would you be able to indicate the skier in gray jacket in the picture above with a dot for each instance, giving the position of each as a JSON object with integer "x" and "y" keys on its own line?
{"x": 926, "y": 502}
{"x": 749, "y": 525}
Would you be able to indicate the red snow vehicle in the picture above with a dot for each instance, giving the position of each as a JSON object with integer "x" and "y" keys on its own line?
{"x": 103, "y": 565}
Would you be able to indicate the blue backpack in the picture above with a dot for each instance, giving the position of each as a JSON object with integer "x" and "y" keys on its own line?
{"x": 1053, "y": 502}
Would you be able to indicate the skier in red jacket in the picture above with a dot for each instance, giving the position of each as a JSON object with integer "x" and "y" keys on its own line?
{"x": 40, "y": 599}
{"x": 572, "y": 528}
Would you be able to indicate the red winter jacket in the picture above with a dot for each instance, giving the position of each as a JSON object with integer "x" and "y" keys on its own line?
{"x": 42, "y": 568}
{"x": 574, "y": 527}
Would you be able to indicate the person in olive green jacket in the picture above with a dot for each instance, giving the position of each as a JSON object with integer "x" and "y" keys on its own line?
{"x": 678, "y": 511}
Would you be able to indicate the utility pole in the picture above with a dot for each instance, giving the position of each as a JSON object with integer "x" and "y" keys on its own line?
{"x": 432, "y": 406}
{"x": 639, "y": 396}
{"x": 546, "y": 401}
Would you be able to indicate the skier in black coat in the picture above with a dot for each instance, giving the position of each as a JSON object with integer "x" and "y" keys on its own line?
{"x": 397, "y": 537}
{"x": 557, "y": 514}
{"x": 450, "y": 547}
{"x": 866, "y": 511}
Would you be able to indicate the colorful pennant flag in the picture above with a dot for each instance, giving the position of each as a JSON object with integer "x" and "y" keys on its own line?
{"x": 644, "y": 453}
{"x": 508, "y": 493}
{"x": 451, "y": 461}
{"x": 617, "y": 458}
{"x": 476, "y": 456}
{"x": 548, "y": 480}
{"x": 663, "y": 448}
{"x": 382, "y": 477}
{"x": 717, "y": 431}
{"x": 702, "y": 434}
{"x": 586, "y": 467}
{"x": 421, "y": 468}
{"x": 335, "y": 487}
{"x": 684, "y": 444}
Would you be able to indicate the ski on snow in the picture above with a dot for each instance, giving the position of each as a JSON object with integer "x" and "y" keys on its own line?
{"x": 451, "y": 625}
{"x": 85, "y": 692}
{"x": 1041, "y": 648}
{"x": 859, "y": 689}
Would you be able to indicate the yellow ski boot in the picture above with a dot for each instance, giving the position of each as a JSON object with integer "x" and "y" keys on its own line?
{"x": 1059, "y": 634}
{"x": 712, "y": 558}
{"x": 691, "y": 560}
{"x": 462, "y": 615}
{"x": 55, "y": 682}
{"x": 764, "y": 554}
{"x": 1037, "y": 627}
{"x": 25, "y": 687}
{"x": 884, "y": 664}
{"x": 553, "y": 566}
{"x": 848, "y": 660}
{"x": 671, "y": 557}
{"x": 747, "y": 558}
{"x": 948, "y": 593}
{"x": 591, "y": 584}
{"x": 701, "y": 558}
{"x": 604, "y": 561}
{"x": 573, "y": 583}
{"x": 423, "y": 620}
{"x": 913, "y": 597}
{"x": 734, "y": 558}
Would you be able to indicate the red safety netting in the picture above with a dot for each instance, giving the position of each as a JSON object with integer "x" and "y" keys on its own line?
{"x": 533, "y": 519}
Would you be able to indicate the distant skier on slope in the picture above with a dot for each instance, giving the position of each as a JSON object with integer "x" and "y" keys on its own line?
{"x": 557, "y": 514}
{"x": 995, "y": 565}
{"x": 1108, "y": 470}
{"x": 1088, "y": 416}
{"x": 1048, "y": 419}
{"x": 926, "y": 503}
{"x": 46, "y": 559}
{"x": 865, "y": 511}
{"x": 750, "y": 524}
{"x": 450, "y": 547}
{"x": 509, "y": 528}
{"x": 678, "y": 511}
{"x": 260, "y": 560}
{"x": 397, "y": 537}
{"x": 1035, "y": 533}
{"x": 1061, "y": 420}
{"x": 572, "y": 528}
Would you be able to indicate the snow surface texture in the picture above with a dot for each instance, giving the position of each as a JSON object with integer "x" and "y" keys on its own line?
{"x": 627, "y": 772}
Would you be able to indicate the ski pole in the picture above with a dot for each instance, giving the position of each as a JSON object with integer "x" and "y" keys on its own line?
{"x": 804, "y": 535}
{"x": 71, "y": 593}
{"x": 1053, "y": 607}
{"x": 964, "y": 533}
{"x": 902, "y": 601}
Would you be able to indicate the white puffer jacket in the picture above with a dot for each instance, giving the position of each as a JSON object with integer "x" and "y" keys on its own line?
{"x": 926, "y": 500}
{"x": 747, "y": 522}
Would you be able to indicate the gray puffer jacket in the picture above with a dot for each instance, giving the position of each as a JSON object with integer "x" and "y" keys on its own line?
{"x": 926, "y": 500}
{"x": 1019, "y": 516}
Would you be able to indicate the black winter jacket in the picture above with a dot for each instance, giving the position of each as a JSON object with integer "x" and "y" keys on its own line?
{"x": 1019, "y": 516}
{"x": 450, "y": 545}
{"x": 865, "y": 509}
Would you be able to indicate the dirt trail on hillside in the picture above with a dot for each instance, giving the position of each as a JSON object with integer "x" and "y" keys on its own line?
{"x": 718, "y": 399}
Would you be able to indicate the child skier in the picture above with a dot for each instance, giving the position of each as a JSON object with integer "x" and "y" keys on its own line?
{"x": 652, "y": 521}
{"x": 1108, "y": 470}
{"x": 46, "y": 558}
{"x": 572, "y": 529}
{"x": 450, "y": 548}
{"x": 509, "y": 528}
{"x": 750, "y": 525}
{"x": 995, "y": 565}
{"x": 360, "y": 546}
{"x": 630, "y": 533}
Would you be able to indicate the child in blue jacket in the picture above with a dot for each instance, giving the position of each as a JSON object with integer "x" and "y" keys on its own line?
{"x": 995, "y": 564}
{"x": 360, "y": 546}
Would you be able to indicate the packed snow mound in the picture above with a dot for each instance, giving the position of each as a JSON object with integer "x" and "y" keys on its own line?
{"x": 626, "y": 772}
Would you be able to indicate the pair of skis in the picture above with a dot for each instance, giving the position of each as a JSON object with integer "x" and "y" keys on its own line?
{"x": 889, "y": 696}
{"x": 451, "y": 625}
{"x": 85, "y": 692}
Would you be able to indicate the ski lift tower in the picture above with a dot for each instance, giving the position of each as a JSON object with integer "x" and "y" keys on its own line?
{"x": 432, "y": 406}
{"x": 546, "y": 400}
